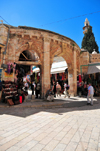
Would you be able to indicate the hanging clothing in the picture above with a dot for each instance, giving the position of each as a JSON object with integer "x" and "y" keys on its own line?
{"x": 55, "y": 76}
{"x": 36, "y": 77}
{"x": 11, "y": 71}
{"x": 8, "y": 69}
{"x": 80, "y": 79}
{"x": 62, "y": 76}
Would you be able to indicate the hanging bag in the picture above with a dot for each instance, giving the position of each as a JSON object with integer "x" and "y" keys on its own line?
{"x": 20, "y": 99}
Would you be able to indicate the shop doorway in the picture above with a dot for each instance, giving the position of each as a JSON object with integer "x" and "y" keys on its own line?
{"x": 59, "y": 72}
{"x": 26, "y": 68}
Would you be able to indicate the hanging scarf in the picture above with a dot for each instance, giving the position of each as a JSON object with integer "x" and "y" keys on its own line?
{"x": 36, "y": 77}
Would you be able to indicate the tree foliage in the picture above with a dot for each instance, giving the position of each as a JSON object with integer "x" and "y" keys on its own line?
{"x": 89, "y": 42}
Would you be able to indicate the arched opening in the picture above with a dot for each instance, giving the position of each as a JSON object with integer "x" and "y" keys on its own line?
{"x": 26, "y": 70}
{"x": 59, "y": 72}
{"x": 28, "y": 56}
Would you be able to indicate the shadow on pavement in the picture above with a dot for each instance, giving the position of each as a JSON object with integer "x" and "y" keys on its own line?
{"x": 69, "y": 105}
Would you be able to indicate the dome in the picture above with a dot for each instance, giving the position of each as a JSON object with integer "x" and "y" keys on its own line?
{"x": 94, "y": 52}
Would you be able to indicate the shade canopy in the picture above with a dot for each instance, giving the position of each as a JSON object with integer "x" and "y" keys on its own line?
{"x": 93, "y": 68}
{"x": 59, "y": 67}
{"x": 58, "y": 70}
{"x": 36, "y": 70}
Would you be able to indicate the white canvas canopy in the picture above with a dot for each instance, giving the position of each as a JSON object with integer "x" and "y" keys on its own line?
{"x": 93, "y": 68}
{"x": 58, "y": 70}
{"x": 58, "y": 67}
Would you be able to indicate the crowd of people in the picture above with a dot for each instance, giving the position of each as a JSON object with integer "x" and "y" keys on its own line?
{"x": 56, "y": 90}
{"x": 30, "y": 85}
{"x": 25, "y": 81}
{"x": 59, "y": 87}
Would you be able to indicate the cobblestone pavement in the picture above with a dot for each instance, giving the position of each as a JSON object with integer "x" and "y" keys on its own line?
{"x": 56, "y": 129}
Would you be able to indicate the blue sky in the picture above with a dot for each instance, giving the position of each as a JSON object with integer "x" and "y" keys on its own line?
{"x": 45, "y": 14}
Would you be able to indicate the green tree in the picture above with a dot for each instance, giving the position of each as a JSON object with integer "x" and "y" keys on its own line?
{"x": 89, "y": 42}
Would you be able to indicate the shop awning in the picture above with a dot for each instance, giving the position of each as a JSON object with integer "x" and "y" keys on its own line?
{"x": 93, "y": 68}
{"x": 36, "y": 70}
{"x": 53, "y": 71}
{"x": 59, "y": 67}
{"x": 58, "y": 70}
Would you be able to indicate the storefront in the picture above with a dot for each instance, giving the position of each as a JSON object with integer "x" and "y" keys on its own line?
{"x": 59, "y": 73}
{"x": 93, "y": 77}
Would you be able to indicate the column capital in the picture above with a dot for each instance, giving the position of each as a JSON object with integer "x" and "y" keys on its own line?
{"x": 46, "y": 39}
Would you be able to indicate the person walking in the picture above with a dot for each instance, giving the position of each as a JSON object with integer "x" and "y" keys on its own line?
{"x": 58, "y": 88}
{"x": 38, "y": 88}
{"x": 33, "y": 87}
{"x": 54, "y": 89}
{"x": 80, "y": 90}
{"x": 66, "y": 89}
{"x": 90, "y": 94}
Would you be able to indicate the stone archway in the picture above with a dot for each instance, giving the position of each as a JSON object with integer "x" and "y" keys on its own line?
{"x": 26, "y": 55}
{"x": 46, "y": 44}
{"x": 69, "y": 54}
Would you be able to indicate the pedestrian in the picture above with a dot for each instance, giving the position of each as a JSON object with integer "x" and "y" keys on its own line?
{"x": 85, "y": 88}
{"x": 50, "y": 95}
{"x": 80, "y": 90}
{"x": 26, "y": 86}
{"x": 54, "y": 89}
{"x": 66, "y": 89}
{"x": 90, "y": 94}
{"x": 58, "y": 88}
{"x": 38, "y": 88}
{"x": 33, "y": 87}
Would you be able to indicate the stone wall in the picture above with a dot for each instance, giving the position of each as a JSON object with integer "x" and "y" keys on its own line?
{"x": 84, "y": 61}
{"x": 94, "y": 58}
{"x": 47, "y": 45}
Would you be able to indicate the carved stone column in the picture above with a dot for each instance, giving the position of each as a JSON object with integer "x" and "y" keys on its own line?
{"x": 70, "y": 79}
{"x": 74, "y": 73}
{"x": 72, "y": 76}
{"x": 46, "y": 67}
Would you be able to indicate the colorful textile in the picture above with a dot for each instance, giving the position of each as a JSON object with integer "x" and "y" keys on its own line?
{"x": 62, "y": 76}
{"x": 80, "y": 79}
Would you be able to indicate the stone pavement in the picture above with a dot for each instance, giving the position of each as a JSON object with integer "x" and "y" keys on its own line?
{"x": 58, "y": 102}
{"x": 70, "y": 126}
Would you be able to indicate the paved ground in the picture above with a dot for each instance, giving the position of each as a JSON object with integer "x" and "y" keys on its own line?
{"x": 70, "y": 126}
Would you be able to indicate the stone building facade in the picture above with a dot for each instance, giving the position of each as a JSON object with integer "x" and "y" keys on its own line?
{"x": 87, "y": 58}
{"x": 46, "y": 45}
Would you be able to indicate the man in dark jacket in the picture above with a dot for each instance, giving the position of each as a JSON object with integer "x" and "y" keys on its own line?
{"x": 38, "y": 87}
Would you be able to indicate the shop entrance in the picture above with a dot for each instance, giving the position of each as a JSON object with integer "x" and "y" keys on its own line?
{"x": 26, "y": 71}
{"x": 59, "y": 72}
